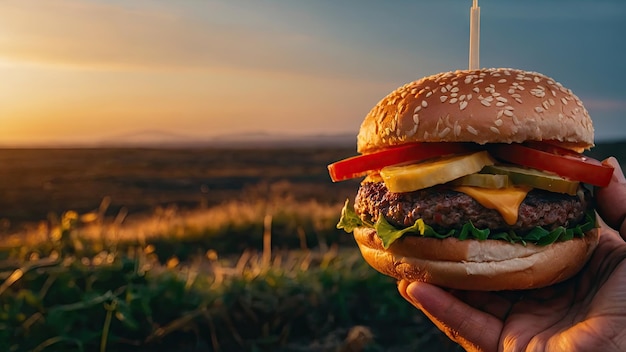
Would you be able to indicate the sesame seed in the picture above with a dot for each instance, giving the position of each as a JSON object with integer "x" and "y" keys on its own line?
{"x": 454, "y": 95}
{"x": 502, "y": 99}
{"x": 457, "y": 129}
{"x": 453, "y": 100}
{"x": 485, "y": 102}
{"x": 443, "y": 98}
{"x": 503, "y": 80}
{"x": 444, "y": 90}
{"x": 537, "y": 93}
{"x": 424, "y": 103}
{"x": 444, "y": 132}
{"x": 537, "y": 79}
{"x": 417, "y": 109}
{"x": 564, "y": 101}
{"x": 508, "y": 113}
{"x": 471, "y": 130}
{"x": 469, "y": 97}
{"x": 545, "y": 104}
{"x": 511, "y": 91}
{"x": 498, "y": 122}
{"x": 416, "y": 119}
{"x": 539, "y": 109}
{"x": 494, "y": 129}
{"x": 462, "y": 97}
{"x": 476, "y": 90}
{"x": 463, "y": 105}
{"x": 518, "y": 100}
{"x": 478, "y": 81}
{"x": 500, "y": 113}
{"x": 455, "y": 90}
{"x": 429, "y": 94}
{"x": 551, "y": 101}
{"x": 500, "y": 104}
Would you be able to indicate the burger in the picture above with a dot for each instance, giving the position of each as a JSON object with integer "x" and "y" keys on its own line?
{"x": 475, "y": 180}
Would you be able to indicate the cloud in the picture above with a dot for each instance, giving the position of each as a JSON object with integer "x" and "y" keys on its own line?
{"x": 279, "y": 38}
{"x": 556, "y": 10}
{"x": 605, "y": 105}
{"x": 115, "y": 36}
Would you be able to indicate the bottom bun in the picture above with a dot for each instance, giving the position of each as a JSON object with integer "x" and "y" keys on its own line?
{"x": 489, "y": 265}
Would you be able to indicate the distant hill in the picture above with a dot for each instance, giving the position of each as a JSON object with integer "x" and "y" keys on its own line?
{"x": 157, "y": 138}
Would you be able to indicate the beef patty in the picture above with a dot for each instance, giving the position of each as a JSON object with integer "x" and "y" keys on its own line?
{"x": 443, "y": 209}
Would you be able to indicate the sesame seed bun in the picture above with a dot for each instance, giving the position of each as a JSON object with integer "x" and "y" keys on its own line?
{"x": 489, "y": 265}
{"x": 483, "y": 106}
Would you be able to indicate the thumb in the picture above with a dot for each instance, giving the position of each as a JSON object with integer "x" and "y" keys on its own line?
{"x": 611, "y": 200}
{"x": 473, "y": 329}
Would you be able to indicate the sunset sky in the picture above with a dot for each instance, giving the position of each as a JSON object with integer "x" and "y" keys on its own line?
{"x": 75, "y": 71}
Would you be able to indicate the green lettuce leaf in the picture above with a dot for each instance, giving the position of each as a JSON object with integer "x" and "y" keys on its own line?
{"x": 389, "y": 233}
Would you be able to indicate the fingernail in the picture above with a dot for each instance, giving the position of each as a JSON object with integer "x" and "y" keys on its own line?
{"x": 413, "y": 291}
{"x": 617, "y": 174}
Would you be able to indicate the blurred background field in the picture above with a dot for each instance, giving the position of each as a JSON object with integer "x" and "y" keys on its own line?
{"x": 195, "y": 249}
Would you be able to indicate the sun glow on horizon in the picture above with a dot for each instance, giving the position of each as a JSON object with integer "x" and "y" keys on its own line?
{"x": 80, "y": 70}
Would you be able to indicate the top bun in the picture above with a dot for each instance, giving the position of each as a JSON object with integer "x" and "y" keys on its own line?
{"x": 496, "y": 105}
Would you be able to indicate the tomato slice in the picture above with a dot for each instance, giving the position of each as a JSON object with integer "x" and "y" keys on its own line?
{"x": 360, "y": 165}
{"x": 552, "y": 158}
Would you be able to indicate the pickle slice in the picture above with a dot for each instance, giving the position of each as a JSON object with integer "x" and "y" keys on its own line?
{"x": 413, "y": 177}
{"x": 534, "y": 178}
{"x": 483, "y": 181}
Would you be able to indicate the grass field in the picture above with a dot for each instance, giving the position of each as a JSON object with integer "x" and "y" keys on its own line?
{"x": 193, "y": 250}
{"x": 35, "y": 182}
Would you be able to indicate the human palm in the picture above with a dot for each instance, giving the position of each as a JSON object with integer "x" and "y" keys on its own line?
{"x": 584, "y": 313}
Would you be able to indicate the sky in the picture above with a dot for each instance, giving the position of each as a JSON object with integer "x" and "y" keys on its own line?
{"x": 82, "y": 71}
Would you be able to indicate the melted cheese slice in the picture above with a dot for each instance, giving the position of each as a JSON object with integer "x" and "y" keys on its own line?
{"x": 505, "y": 200}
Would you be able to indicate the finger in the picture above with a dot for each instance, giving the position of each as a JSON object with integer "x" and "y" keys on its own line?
{"x": 496, "y": 304}
{"x": 473, "y": 329}
{"x": 402, "y": 286}
{"x": 612, "y": 199}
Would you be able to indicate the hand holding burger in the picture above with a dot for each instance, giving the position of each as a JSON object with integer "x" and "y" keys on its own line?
{"x": 474, "y": 180}
{"x": 585, "y": 313}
